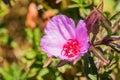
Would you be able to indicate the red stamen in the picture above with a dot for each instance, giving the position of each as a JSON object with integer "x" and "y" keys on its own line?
{"x": 71, "y": 48}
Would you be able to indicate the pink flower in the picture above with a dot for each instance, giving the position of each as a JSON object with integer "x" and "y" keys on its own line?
{"x": 63, "y": 40}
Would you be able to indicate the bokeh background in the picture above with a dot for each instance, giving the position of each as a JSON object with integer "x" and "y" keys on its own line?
{"x": 22, "y": 24}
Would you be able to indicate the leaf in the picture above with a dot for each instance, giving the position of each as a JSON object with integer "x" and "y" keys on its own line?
{"x": 43, "y": 71}
{"x": 100, "y": 6}
{"x": 31, "y": 54}
{"x": 76, "y": 1}
{"x": 61, "y": 63}
{"x": 29, "y": 34}
{"x": 5, "y": 74}
{"x": 114, "y": 38}
{"x": 49, "y": 76}
{"x": 73, "y": 6}
{"x": 115, "y": 16}
{"x": 36, "y": 38}
{"x": 116, "y": 26}
{"x": 15, "y": 71}
{"x": 106, "y": 24}
{"x": 92, "y": 77}
{"x": 12, "y": 72}
{"x": 90, "y": 68}
{"x": 114, "y": 46}
{"x": 105, "y": 75}
{"x": 24, "y": 75}
{"x": 98, "y": 54}
{"x": 47, "y": 62}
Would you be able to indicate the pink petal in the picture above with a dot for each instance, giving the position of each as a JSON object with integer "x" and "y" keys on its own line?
{"x": 52, "y": 51}
{"x": 82, "y": 36}
{"x": 71, "y": 59}
{"x": 52, "y": 45}
{"x": 62, "y": 25}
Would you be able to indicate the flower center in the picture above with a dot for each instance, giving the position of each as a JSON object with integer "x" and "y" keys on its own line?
{"x": 71, "y": 48}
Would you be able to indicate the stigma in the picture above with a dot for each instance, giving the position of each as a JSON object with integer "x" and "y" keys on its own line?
{"x": 71, "y": 48}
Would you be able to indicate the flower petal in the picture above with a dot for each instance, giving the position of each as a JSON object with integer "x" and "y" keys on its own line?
{"x": 52, "y": 45}
{"x": 71, "y": 59}
{"x": 82, "y": 36}
{"x": 52, "y": 51}
{"x": 63, "y": 25}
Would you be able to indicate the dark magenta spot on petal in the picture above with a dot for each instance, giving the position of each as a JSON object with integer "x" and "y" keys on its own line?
{"x": 71, "y": 48}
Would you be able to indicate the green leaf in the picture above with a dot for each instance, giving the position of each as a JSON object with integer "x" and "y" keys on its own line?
{"x": 73, "y": 6}
{"x": 36, "y": 37}
{"x": 29, "y": 34}
{"x": 49, "y": 76}
{"x": 115, "y": 16}
{"x": 92, "y": 77}
{"x": 106, "y": 24}
{"x": 12, "y": 72}
{"x": 3, "y": 9}
{"x": 105, "y": 75}
{"x": 30, "y": 54}
{"x": 99, "y": 53}
{"x": 43, "y": 71}
{"x": 76, "y": 1}
{"x": 90, "y": 68}
{"x": 24, "y": 75}
{"x": 115, "y": 46}
{"x": 5, "y": 74}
